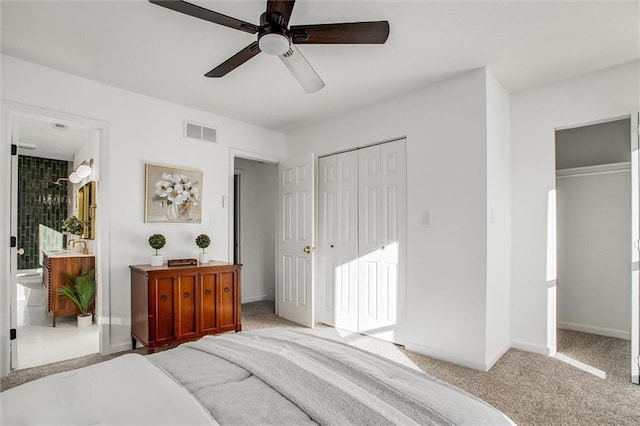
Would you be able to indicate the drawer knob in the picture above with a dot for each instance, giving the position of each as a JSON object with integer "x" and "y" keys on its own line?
{"x": 226, "y": 289}
{"x": 186, "y": 294}
{"x": 207, "y": 292}
{"x": 164, "y": 297}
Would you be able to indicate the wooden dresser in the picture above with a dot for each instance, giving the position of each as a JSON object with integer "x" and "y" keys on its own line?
{"x": 54, "y": 268}
{"x": 170, "y": 305}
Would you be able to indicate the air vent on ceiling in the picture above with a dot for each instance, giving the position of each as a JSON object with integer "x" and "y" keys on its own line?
{"x": 59, "y": 126}
{"x": 199, "y": 131}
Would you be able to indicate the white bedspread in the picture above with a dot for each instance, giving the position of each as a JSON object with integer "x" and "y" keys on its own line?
{"x": 128, "y": 390}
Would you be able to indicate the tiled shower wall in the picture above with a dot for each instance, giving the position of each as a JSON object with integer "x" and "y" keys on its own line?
{"x": 41, "y": 203}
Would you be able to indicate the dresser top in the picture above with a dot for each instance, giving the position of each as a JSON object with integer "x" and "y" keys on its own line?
{"x": 148, "y": 268}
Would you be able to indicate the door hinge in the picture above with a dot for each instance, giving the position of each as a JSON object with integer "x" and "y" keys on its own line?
{"x": 13, "y": 242}
{"x": 12, "y": 334}
{"x": 14, "y": 149}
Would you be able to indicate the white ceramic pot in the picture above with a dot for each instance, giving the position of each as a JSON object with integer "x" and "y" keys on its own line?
{"x": 85, "y": 321}
{"x": 156, "y": 260}
{"x": 203, "y": 258}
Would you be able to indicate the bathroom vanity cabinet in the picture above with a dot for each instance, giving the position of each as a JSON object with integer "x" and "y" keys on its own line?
{"x": 170, "y": 305}
{"x": 54, "y": 277}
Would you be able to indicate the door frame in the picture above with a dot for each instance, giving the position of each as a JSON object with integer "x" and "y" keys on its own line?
{"x": 10, "y": 111}
{"x": 634, "y": 242}
{"x": 247, "y": 155}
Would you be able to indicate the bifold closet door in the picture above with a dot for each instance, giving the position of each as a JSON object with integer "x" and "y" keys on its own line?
{"x": 381, "y": 240}
{"x": 338, "y": 240}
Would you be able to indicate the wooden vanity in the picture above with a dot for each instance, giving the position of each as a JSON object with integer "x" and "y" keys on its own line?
{"x": 54, "y": 268}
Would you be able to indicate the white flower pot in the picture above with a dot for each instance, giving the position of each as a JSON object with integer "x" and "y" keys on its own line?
{"x": 156, "y": 260}
{"x": 203, "y": 258}
{"x": 85, "y": 321}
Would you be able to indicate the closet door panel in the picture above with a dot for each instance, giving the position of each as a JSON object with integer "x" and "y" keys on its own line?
{"x": 327, "y": 217}
{"x": 346, "y": 244}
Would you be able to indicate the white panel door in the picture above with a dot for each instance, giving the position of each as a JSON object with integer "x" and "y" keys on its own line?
{"x": 326, "y": 239}
{"x": 338, "y": 240}
{"x": 382, "y": 236}
{"x": 295, "y": 300}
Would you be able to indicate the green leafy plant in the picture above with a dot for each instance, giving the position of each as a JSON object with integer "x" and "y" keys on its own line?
{"x": 73, "y": 225}
{"x": 157, "y": 241}
{"x": 81, "y": 291}
{"x": 203, "y": 241}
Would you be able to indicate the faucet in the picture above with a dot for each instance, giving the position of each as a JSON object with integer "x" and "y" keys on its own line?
{"x": 84, "y": 243}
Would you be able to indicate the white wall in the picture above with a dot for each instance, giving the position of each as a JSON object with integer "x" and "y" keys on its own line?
{"x": 258, "y": 209}
{"x": 594, "y": 228}
{"x": 445, "y": 126}
{"x": 140, "y": 130}
{"x": 498, "y": 327}
{"x": 536, "y": 114}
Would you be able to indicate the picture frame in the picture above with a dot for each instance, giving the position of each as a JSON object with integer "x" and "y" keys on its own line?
{"x": 172, "y": 194}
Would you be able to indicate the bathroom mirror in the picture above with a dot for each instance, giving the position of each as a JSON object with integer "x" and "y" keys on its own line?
{"x": 87, "y": 209}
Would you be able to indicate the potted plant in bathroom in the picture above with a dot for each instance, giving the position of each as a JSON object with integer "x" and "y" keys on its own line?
{"x": 157, "y": 241}
{"x": 73, "y": 226}
{"x": 203, "y": 242}
{"x": 82, "y": 292}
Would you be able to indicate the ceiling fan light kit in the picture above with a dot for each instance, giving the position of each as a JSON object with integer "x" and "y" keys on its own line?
{"x": 276, "y": 38}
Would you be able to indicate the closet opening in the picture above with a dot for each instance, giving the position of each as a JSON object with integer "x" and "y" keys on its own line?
{"x": 594, "y": 243}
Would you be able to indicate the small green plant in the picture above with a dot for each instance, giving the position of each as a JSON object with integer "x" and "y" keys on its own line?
{"x": 73, "y": 225}
{"x": 203, "y": 241}
{"x": 81, "y": 291}
{"x": 157, "y": 241}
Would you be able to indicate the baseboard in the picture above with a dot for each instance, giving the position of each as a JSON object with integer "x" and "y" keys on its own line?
{"x": 528, "y": 347}
{"x": 610, "y": 332}
{"x": 496, "y": 357}
{"x": 255, "y": 299}
{"x": 445, "y": 356}
{"x": 121, "y": 347}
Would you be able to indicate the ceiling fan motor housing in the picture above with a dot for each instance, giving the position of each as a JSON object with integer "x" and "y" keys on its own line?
{"x": 273, "y": 37}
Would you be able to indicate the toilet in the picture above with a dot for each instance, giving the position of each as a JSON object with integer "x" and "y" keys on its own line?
{"x": 32, "y": 279}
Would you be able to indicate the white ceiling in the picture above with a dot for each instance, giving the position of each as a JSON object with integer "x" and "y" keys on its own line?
{"x": 39, "y": 138}
{"x": 151, "y": 50}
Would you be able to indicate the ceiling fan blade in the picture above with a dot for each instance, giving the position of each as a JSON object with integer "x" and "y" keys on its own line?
{"x": 300, "y": 68}
{"x": 284, "y": 7}
{"x": 206, "y": 14}
{"x": 235, "y": 61}
{"x": 345, "y": 33}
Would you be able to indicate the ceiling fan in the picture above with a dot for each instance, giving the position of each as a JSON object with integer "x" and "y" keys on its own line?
{"x": 275, "y": 37}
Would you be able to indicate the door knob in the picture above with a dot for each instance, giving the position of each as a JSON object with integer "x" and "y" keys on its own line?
{"x": 309, "y": 249}
{"x": 20, "y": 251}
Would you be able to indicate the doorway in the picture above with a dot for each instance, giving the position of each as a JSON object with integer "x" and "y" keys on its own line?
{"x": 46, "y": 137}
{"x": 594, "y": 188}
{"x": 253, "y": 230}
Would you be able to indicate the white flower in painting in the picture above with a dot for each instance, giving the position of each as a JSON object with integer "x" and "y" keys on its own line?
{"x": 176, "y": 189}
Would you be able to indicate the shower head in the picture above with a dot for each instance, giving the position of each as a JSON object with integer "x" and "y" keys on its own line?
{"x": 58, "y": 182}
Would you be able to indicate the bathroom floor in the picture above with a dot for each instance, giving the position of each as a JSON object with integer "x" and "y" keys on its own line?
{"x": 39, "y": 343}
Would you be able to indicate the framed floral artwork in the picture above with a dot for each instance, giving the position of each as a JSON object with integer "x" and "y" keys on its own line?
{"x": 172, "y": 194}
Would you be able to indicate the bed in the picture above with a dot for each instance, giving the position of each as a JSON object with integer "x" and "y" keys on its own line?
{"x": 271, "y": 376}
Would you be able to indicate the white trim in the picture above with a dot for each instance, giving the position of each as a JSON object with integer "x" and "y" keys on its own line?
{"x": 536, "y": 349}
{"x": 492, "y": 361}
{"x": 591, "y": 123}
{"x": 11, "y": 110}
{"x": 601, "y": 169}
{"x": 256, "y": 299}
{"x": 446, "y": 356}
{"x": 610, "y": 332}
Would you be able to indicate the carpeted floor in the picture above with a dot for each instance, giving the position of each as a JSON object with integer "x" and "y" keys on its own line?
{"x": 531, "y": 389}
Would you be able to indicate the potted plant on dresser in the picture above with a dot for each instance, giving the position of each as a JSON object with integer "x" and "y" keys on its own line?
{"x": 203, "y": 242}
{"x": 157, "y": 241}
{"x": 82, "y": 292}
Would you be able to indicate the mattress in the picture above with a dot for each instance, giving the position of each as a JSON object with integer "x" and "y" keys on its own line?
{"x": 273, "y": 376}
